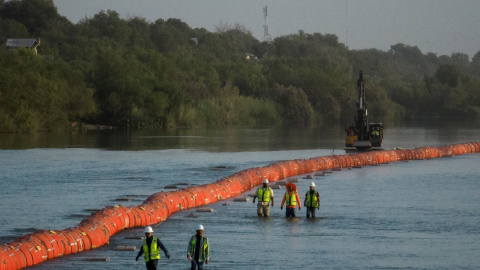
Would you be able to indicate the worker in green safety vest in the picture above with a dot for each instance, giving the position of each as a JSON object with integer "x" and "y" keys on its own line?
{"x": 312, "y": 200}
{"x": 291, "y": 200}
{"x": 265, "y": 196}
{"x": 198, "y": 250}
{"x": 150, "y": 249}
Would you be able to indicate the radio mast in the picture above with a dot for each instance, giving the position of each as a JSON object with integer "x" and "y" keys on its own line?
{"x": 346, "y": 23}
{"x": 266, "y": 36}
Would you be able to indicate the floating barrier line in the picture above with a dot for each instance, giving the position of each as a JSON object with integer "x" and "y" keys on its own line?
{"x": 96, "y": 230}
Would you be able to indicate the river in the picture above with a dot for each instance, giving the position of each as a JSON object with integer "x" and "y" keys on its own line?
{"x": 403, "y": 215}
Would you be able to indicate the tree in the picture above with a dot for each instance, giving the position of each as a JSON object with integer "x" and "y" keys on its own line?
{"x": 107, "y": 25}
{"x": 475, "y": 65}
{"x": 461, "y": 60}
{"x": 294, "y": 103}
{"x": 448, "y": 74}
{"x": 40, "y": 94}
{"x": 12, "y": 29}
{"x": 33, "y": 14}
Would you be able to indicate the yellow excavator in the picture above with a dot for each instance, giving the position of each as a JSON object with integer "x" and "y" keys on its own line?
{"x": 363, "y": 135}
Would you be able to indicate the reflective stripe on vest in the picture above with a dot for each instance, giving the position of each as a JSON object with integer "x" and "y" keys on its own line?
{"x": 312, "y": 201}
{"x": 154, "y": 251}
{"x": 291, "y": 200}
{"x": 263, "y": 195}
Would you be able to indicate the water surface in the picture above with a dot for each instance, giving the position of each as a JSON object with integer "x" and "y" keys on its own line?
{"x": 419, "y": 214}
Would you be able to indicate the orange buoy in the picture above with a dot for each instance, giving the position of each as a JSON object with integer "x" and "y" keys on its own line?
{"x": 11, "y": 260}
{"x": 39, "y": 246}
{"x": 23, "y": 248}
{"x": 34, "y": 252}
{"x": 49, "y": 243}
{"x": 65, "y": 242}
{"x": 20, "y": 256}
{"x": 75, "y": 239}
{"x": 71, "y": 242}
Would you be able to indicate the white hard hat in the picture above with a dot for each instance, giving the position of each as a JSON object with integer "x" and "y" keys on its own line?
{"x": 265, "y": 181}
{"x": 148, "y": 229}
{"x": 200, "y": 227}
{"x": 312, "y": 184}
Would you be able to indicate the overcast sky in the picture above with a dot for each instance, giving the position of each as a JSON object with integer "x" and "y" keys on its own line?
{"x": 439, "y": 26}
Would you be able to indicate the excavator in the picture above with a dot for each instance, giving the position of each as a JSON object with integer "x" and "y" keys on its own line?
{"x": 363, "y": 135}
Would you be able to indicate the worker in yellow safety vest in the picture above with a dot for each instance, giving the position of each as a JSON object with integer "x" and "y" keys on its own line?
{"x": 150, "y": 249}
{"x": 198, "y": 249}
{"x": 312, "y": 200}
{"x": 291, "y": 199}
{"x": 264, "y": 195}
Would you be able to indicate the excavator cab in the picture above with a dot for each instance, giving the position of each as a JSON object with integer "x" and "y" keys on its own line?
{"x": 376, "y": 134}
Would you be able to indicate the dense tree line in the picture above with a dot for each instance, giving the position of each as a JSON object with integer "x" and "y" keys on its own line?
{"x": 132, "y": 73}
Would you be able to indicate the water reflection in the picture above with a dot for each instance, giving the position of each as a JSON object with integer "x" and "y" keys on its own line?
{"x": 229, "y": 139}
{"x": 416, "y": 133}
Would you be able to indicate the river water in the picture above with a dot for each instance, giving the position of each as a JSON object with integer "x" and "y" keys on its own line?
{"x": 403, "y": 215}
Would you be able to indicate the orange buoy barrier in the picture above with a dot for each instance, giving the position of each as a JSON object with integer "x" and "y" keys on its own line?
{"x": 96, "y": 230}
{"x": 42, "y": 250}
{"x": 26, "y": 253}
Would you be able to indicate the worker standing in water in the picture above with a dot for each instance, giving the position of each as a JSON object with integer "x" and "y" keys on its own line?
{"x": 265, "y": 195}
{"x": 291, "y": 199}
{"x": 198, "y": 249}
{"x": 312, "y": 200}
{"x": 150, "y": 249}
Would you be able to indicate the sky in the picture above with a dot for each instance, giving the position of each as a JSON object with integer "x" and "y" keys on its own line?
{"x": 442, "y": 27}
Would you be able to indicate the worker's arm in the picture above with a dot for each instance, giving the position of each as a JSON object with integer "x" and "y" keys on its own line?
{"x": 271, "y": 192}
{"x": 305, "y": 201}
{"x": 162, "y": 247}
{"x": 140, "y": 252}
{"x": 318, "y": 196}
{"x": 255, "y": 196}
{"x": 283, "y": 202}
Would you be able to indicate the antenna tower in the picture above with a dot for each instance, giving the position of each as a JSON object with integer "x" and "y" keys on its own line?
{"x": 266, "y": 36}
{"x": 346, "y": 23}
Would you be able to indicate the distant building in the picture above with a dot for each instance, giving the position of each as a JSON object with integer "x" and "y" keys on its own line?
{"x": 251, "y": 57}
{"x": 29, "y": 43}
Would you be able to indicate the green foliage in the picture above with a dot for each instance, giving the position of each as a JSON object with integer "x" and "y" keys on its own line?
{"x": 475, "y": 65}
{"x": 33, "y": 14}
{"x": 380, "y": 107}
{"x": 12, "y": 29}
{"x": 132, "y": 73}
{"x": 232, "y": 109}
{"x": 248, "y": 77}
{"x": 448, "y": 74}
{"x": 452, "y": 93}
{"x": 40, "y": 94}
{"x": 294, "y": 104}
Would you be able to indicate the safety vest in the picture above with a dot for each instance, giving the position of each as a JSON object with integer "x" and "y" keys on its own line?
{"x": 263, "y": 195}
{"x": 154, "y": 251}
{"x": 291, "y": 200}
{"x": 312, "y": 201}
{"x": 204, "y": 247}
